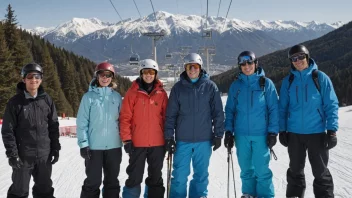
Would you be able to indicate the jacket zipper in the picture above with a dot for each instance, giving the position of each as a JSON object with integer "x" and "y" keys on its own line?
{"x": 252, "y": 99}
{"x": 306, "y": 93}
{"x": 297, "y": 93}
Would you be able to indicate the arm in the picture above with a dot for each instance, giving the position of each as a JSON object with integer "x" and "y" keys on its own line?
{"x": 171, "y": 115}
{"x": 7, "y": 131}
{"x": 273, "y": 107}
{"x": 230, "y": 109}
{"x": 126, "y": 115}
{"x": 283, "y": 105}
{"x": 83, "y": 122}
{"x": 217, "y": 112}
{"x": 164, "y": 106}
{"x": 53, "y": 127}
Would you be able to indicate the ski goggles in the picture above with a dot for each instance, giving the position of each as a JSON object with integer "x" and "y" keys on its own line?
{"x": 298, "y": 57}
{"x": 243, "y": 60}
{"x": 106, "y": 74}
{"x": 35, "y": 75}
{"x": 190, "y": 65}
{"x": 148, "y": 71}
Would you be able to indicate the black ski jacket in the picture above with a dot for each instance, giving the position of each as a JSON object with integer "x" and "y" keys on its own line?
{"x": 30, "y": 125}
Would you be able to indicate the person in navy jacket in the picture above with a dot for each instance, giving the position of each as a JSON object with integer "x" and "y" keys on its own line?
{"x": 307, "y": 111}
{"x": 252, "y": 122}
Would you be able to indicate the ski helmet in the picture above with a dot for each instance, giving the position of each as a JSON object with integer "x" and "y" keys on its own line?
{"x": 104, "y": 66}
{"x": 148, "y": 64}
{"x": 247, "y": 56}
{"x": 31, "y": 67}
{"x": 298, "y": 49}
{"x": 193, "y": 58}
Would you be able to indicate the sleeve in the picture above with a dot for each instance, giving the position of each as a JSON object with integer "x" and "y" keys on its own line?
{"x": 273, "y": 107}
{"x": 8, "y": 131}
{"x": 330, "y": 102}
{"x": 230, "y": 109}
{"x": 83, "y": 122}
{"x": 283, "y": 105}
{"x": 171, "y": 114}
{"x": 217, "y": 112}
{"x": 126, "y": 115}
{"x": 53, "y": 127}
{"x": 164, "y": 106}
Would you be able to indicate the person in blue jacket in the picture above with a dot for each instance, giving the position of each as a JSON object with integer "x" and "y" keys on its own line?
{"x": 308, "y": 108}
{"x": 252, "y": 122}
{"x": 195, "y": 116}
{"x": 98, "y": 134}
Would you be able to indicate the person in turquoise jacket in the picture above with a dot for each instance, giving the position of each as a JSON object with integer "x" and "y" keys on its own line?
{"x": 98, "y": 134}
{"x": 252, "y": 123}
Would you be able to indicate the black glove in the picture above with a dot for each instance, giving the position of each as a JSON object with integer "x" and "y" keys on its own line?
{"x": 216, "y": 143}
{"x": 283, "y": 137}
{"x": 170, "y": 146}
{"x": 54, "y": 156}
{"x": 330, "y": 139}
{"x": 15, "y": 162}
{"x": 229, "y": 140}
{"x": 85, "y": 153}
{"x": 271, "y": 139}
{"x": 128, "y": 147}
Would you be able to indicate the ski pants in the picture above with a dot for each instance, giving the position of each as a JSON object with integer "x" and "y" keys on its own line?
{"x": 253, "y": 158}
{"x": 135, "y": 170}
{"x": 40, "y": 169}
{"x": 109, "y": 162}
{"x": 199, "y": 153}
{"x": 318, "y": 156}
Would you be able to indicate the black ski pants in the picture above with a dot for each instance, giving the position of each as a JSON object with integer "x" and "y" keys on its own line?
{"x": 109, "y": 162}
{"x": 318, "y": 156}
{"x": 135, "y": 170}
{"x": 40, "y": 169}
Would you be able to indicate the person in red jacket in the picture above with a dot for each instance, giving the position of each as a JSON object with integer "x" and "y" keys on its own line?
{"x": 142, "y": 119}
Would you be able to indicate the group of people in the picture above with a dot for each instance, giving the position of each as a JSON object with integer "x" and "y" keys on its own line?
{"x": 189, "y": 124}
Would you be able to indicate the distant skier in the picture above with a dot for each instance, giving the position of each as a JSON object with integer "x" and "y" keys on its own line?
{"x": 252, "y": 122}
{"x": 308, "y": 107}
{"x": 30, "y": 133}
{"x": 98, "y": 134}
{"x": 142, "y": 120}
{"x": 195, "y": 116}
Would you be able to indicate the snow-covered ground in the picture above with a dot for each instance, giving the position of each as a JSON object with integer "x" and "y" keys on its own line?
{"x": 68, "y": 173}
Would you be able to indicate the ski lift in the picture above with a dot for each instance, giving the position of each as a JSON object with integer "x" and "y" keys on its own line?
{"x": 168, "y": 56}
{"x": 134, "y": 59}
{"x": 207, "y": 33}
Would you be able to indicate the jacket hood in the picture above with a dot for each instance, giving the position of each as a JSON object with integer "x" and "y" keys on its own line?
{"x": 21, "y": 87}
{"x": 312, "y": 66}
{"x": 251, "y": 78}
{"x": 102, "y": 91}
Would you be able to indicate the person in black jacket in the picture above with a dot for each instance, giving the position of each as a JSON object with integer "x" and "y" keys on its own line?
{"x": 30, "y": 134}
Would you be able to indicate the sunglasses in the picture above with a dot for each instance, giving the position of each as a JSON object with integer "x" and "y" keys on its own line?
{"x": 189, "y": 66}
{"x": 249, "y": 62}
{"x": 36, "y": 76}
{"x": 105, "y": 74}
{"x": 298, "y": 57}
{"x": 148, "y": 71}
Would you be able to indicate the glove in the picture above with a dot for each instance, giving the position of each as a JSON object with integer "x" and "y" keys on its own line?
{"x": 330, "y": 139}
{"x": 128, "y": 146}
{"x": 283, "y": 137}
{"x": 271, "y": 139}
{"x": 15, "y": 162}
{"x": 216, "y": 143}
{"x": 170, "y": 146}
{"x": 54, "y": 156}
{"x": 85, "y": 153}
{"x": 229, "y": 140}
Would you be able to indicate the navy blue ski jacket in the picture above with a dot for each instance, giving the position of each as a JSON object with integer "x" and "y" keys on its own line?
{"x": 194, "y": 111}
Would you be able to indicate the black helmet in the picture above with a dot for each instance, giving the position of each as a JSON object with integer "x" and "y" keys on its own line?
{"x": 249, "y": 54}
{"x": 31, "y": 67}
{"x": 298, "y": 49}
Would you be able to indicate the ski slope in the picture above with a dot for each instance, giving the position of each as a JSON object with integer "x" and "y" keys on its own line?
{"x": 69, "y": 171}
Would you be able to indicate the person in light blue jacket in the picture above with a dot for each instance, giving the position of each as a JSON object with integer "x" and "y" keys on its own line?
{"x": 98, "y": 134}
{"x": 252, "y": 123}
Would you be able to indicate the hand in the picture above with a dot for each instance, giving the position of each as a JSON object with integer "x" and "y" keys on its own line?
{"x": 15, "y": 162}
{"x": 216, "y": 143}
{"x": 283, "y": 137}
{"x": 330, "y": 139}
{"x": 54, "y": 156}
{"x": 271, "y": 139}
{"x": 128, "y": 146}
{"x": 85, "y": 153}
{"x": 170, "y": 146}
{"x": 229, "y": 140}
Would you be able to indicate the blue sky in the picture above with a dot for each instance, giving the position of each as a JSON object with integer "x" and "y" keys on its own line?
{"x": 47, "y": 13}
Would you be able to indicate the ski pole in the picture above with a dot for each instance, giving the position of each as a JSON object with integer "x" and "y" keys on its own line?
{"x": 228, "y": 174}
{"x": 169, "y": 166}
{"x": 233, "y": 175}
{"x": 272, "y": 154}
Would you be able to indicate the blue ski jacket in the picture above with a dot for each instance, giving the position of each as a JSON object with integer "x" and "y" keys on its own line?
{"x": 305, "y": 110}
{"x": 250, "y": 109}
{"x": 194, "y": 111}
{"x": 97, "y": 119}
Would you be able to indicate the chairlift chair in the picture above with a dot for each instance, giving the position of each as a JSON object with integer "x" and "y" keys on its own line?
{"x": 134, "y": 59}
{"x": 168, "y": 56}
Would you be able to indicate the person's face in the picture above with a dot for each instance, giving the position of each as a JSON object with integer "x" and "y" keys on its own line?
{"x": 148, "y": 75}
{"x": 33, "y": 81}
{"x": 299, "y": 61}
{"x": 192, "y": 70}
{"x": 248, "y": 67}
{"x": 105, "y": 78}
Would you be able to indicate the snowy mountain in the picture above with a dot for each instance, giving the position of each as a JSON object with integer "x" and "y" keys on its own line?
{"x": 100, "y": 41}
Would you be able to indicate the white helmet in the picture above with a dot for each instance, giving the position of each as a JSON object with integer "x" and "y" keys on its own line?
{"x": 193, "y": 58}
{"x": 148, "y": 64}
